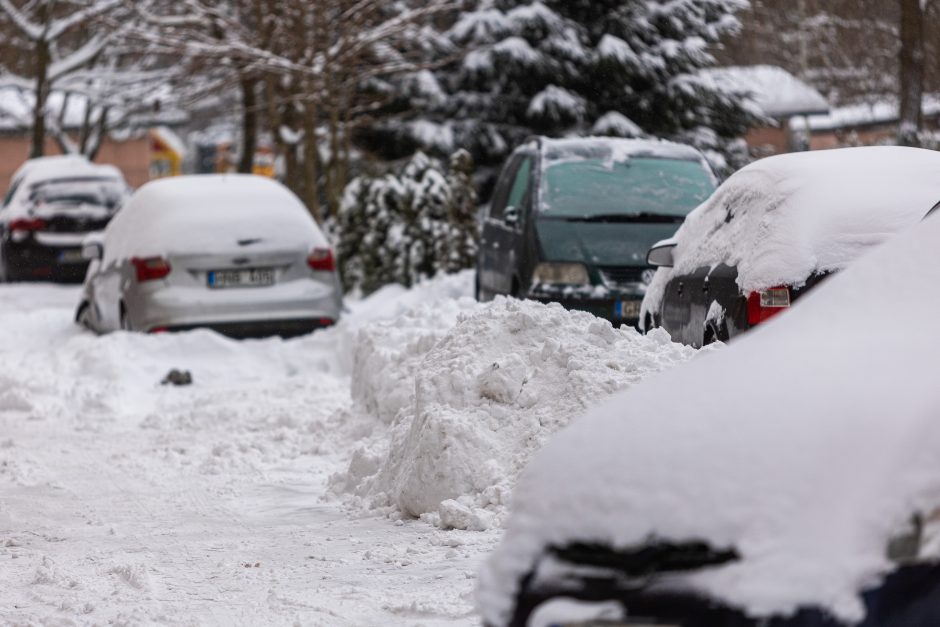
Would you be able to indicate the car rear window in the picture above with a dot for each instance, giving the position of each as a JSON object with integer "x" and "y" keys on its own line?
{"x": 75, "y": 192}
{"x": 636, "y": 185}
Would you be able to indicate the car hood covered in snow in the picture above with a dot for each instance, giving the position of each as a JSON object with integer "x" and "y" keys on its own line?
{"x": 805, "y": 447}
{"x": 781, "y": 219}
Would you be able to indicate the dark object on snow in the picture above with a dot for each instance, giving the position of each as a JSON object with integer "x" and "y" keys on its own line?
{"x": 177, "y": 377}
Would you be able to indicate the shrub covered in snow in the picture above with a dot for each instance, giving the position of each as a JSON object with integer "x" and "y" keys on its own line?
{"x": 400, "y": 228}
{"x": 480, "y": 399}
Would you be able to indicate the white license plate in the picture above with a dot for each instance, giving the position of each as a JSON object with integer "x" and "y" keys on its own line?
{"x": 249, "y": 277}
{"x": 71, "y": 256}
{"x": 628, "y": 308}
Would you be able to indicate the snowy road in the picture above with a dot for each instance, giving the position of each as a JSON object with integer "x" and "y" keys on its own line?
{"x": 125, "y": 501}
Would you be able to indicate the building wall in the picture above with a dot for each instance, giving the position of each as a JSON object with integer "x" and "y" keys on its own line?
{"x": 768, "y": 140}
{"x": 131, "y": 156}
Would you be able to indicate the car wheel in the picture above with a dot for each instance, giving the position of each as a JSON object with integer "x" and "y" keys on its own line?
{"x": 714, "y": 333}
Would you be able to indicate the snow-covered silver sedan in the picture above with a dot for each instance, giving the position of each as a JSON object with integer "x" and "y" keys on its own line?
{"x": 238, "y": 254}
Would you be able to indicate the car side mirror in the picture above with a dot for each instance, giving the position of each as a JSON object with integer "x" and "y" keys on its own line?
{"x": 660, "y": 255}
{"x": 511, "y": 216}
{"x": 92, "y": 250}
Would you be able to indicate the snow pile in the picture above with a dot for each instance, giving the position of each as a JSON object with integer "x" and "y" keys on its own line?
{"x": 781, "y": 219}
{"x": 487, "y": 394}
{"x": 805, "y": 446}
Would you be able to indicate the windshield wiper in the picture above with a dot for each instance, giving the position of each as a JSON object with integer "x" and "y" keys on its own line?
{"x": 642, "y": 216}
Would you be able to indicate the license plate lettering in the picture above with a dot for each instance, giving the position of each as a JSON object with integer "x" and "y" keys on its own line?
{"x": 71, "y": 256}
{"x": 249, "y": 277}
{"x": 628, "y": 308}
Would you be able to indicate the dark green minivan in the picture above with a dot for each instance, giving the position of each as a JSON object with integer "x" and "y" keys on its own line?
{"x": 571, "y": 220}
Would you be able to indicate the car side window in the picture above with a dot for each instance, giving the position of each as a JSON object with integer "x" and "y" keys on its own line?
{"x": 520, "y": 186}
{"x": 503, "y": 186}
{"x": 11, "y": 192}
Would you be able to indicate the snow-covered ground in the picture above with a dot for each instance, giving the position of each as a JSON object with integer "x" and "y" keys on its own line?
{"x": 271, "y": 490}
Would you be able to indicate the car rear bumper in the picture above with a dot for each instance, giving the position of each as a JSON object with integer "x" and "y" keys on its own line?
{"x": 292, "y": 308}
{"x": 258, "y": 328}
{"x": 32, "y": 261}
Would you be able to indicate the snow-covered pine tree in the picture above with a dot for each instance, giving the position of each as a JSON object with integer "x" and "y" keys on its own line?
{"x": 458, "y": 250}
{"x": 404, "y": 227}
{"x": 613, "y": 67}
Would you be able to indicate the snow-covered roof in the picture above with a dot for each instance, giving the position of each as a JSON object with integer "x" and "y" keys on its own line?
{"x": 170, "y": 139}
{"x": 16, "y": 110}
{"x": 804, "y": 446}
{"x": 775, "y": 91}
{"x": 862, "y": 114}
{"x": 63, "y": 166}
{"x": 209, "y": 212}
{"x": 783, "y": 218}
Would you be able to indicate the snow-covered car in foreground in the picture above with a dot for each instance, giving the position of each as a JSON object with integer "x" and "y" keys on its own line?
{"x": 51, "y": 205}
{"x": 238, "y": 254}
{"x": 571, "y": 220}
{"x": 805, "y": 493}
{"x": 776, "y": 228}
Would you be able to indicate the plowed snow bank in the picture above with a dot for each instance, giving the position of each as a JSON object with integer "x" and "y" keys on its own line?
{"x": 469, "y": 405}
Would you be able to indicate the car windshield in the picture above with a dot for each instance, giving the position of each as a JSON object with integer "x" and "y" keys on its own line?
{"x": 587, "y": 188}
{"x": 100, "y": 192}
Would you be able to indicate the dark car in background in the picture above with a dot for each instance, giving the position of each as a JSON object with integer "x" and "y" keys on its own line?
{"x": 571, "y": 220}
{"x": 777, "y": 228}
{"x": 51, "y": 205}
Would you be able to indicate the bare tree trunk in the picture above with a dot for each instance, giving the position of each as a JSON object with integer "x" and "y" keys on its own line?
{"x": 38, "y": 146}
{"x": 911, "y": 72}
{"x": 97, "y": 136}
{"x": 249, "y": 126}
{"x": 311, "y": 176}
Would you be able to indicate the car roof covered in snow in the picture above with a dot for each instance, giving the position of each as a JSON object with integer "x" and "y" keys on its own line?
{"x": 804, "y": 446}
{"x": 207, "y": 213}
{"x": 63, "y": 166}
{"x": 615, "y": 148}
{"x": 781, "y": 219}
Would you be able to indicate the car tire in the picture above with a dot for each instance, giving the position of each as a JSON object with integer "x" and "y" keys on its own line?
{"x": 714, "y": 333}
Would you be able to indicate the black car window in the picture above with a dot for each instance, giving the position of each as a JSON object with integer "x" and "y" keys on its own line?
{"x": 503, "y": 185}
{"x": 520, "y": 185}
{"x": 10, "y": 192}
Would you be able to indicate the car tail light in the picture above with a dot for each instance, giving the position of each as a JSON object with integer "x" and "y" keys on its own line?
{"x": 322, "y": 259}
{"x": 326, "y": 322}
{"x": 151, "y": 268}
{"x": 27, "y": 224}
{"x": 767, "y": 303}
